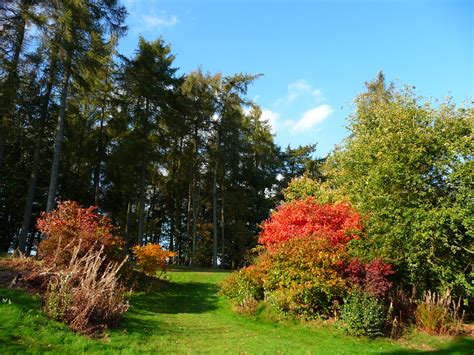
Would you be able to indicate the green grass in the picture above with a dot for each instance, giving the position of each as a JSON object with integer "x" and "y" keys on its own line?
{"x": 187, "y": 316}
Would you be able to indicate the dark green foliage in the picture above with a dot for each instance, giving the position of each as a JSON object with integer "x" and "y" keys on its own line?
{"x": 173, "y": 159}
{"x": 364, "y": 315}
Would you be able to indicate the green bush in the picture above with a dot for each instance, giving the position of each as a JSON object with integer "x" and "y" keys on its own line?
{"x": 304, "y": 278}
{"x": 364, "y": 315}
{"x": 244, "y": 285}
{"x": 59, "y": 297}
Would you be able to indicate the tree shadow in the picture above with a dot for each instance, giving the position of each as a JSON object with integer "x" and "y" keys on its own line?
{"x": 458, "y": 346}
{"x": 170, "y": 298}
{"x": 174, "y": 298}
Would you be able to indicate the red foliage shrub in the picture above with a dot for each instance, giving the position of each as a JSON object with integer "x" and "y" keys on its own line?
{"x": 337, "y": 223}
{"x": 71, "y": 225}
{"x": 371, "y": 277}
{"x": 376, "y": 277}
{"x": 307, "y": 270}
{"x": 355, "y": 273}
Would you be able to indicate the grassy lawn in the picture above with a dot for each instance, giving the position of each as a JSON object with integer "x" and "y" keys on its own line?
{"x": 187, "y": 316}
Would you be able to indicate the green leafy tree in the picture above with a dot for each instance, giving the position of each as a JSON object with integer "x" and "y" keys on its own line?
{"x": 408, "y": 166}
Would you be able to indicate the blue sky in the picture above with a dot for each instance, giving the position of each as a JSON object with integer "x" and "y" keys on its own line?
{"x": 316, "y": 55}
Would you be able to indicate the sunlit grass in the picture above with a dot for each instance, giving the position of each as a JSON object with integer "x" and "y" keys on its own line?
{"x": 187, "y": 316}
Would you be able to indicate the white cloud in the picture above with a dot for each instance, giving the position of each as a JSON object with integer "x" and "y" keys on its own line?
{"x": 142, "y": 17}
{"x": 270, "y": 117}
{"x": 299, "y": 89}
{"x": 152, "y": 22}
{"x": 310, "y": 118}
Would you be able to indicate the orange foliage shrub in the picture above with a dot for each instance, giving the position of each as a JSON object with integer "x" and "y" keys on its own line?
{"x": 304, "y": 277}
{"x": 71, "y": 225}
{"x": 151, "y": 258}
{"x": 337, "y": 223}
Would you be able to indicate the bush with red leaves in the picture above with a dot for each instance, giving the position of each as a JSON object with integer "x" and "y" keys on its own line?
{"x": 306, "y": 266}
{"x": 71, "y": 225}
{"x": 371, "y": 277}
{"x": 337, "y": 223}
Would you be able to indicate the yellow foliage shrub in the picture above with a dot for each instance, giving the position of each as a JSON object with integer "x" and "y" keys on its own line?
{"x": 151, "y": 258}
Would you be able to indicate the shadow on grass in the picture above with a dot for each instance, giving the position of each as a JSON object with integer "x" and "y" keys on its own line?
{"x": 213, "y": 270}
{"x": 13, "y": 344}
{"x": 173, "y": 298}
{"x": 170, "y": 298}
{"x": 459, "y": 346}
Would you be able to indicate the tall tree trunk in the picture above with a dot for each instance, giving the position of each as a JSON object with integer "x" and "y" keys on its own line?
{"x": 222, "y": 233}
{"x": 127, "y": 225}
{"x": 148, "y": 216}
{"x": 25, "y": 227}
{"x": 53, "y": 182}
{"x": 179, "y": 205}
{"x": 195, "y": 195}
{"x": 189, "y": 204}
{"x": 11, "y": 83}
{"x": 100, "y": 157}
{"x": 141, "y": 210}
{"x": 172, "y": 227}
{"x": 214, "y": 215}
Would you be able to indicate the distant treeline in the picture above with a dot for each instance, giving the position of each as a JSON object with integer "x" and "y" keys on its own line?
{"x": 181, "y": 160}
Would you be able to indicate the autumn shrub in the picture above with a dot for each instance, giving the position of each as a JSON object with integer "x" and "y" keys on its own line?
{"x": 364, "y": 314}
{"x": 308, "y": 270}
{"x": 338, "y": 223}
{"x": 71, "y": 225}
{"x": 372, "y": 277}
{"x": 438, "y": 313}
{"x": 151, "y": 258}
{"x": 244, "y": 285}
{"x": 304, "y": 277}
{"x": 86, "y": 294}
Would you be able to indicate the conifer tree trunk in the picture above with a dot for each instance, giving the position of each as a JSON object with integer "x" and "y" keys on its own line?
{"x": 188, "y": 213}
{"x": 128, "y": 224}
{"x": 100, "y": 157}
{"x": 193, "y": 195}
{"x": 195, "y": 214}
{"x": 53, "y": 183}
{"x": 11, "y": 83}
{"x": 179, "y": 203}
{"x": 25, "y": 227}
{"x": 222, "y": 233}
{"x": 214, "y": 215}
{"x": 141, "y": 210}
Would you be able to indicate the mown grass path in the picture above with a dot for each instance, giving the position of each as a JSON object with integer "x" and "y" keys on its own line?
{"x": 187, "y": 316}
